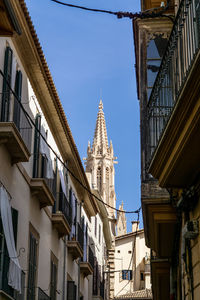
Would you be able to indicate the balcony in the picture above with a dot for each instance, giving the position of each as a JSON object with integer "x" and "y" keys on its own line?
{"x": 61, "y": 216}
{"x": 173, "y": 116}
{"x": 75, "y": 244}
{"x": 42, "y": 187}
{"x": 87, "y": 264}
{"x": 15, "y": 127}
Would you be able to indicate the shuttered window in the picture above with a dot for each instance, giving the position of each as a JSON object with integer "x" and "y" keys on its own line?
{"x": 4, "y": 256}
{"x": 95, "y": 277}
{"x": 95, "y": 226}
{"x": 71, "y": 290}
{"x": 126, "y": 274}
{"x": 53, "y": 280}
{"x": 32, "y": 268}
{"x": 5, "y": 104}
{"x": 18, "y": 92}
{"x": 17, "y": 295}
{"x": 99, "y": 234}
{"x": 36, "y": 154}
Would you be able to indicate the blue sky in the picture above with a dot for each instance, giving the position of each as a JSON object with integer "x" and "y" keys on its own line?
{"x": 89, "y": 55}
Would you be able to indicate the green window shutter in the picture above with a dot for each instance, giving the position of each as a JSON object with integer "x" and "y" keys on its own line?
{"x": 36, "y": 147}
{"x": 4, "y": 256}
{"x": 18, "y": 92}
{"x": 53, "y": 280}
{"x": 18, "y": 85}
{"x": 5, "y": 106}
{"x": 32, "y": 268}
{"x": 71, "y": 290}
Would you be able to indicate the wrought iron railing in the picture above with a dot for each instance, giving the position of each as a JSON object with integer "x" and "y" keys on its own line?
{"x": 182, "y": 48}
{"x": 80, "y": 235}
{"x": 64, "y": 207}
{"x": 11, "y": 110}
{"x": 42, "y": 295}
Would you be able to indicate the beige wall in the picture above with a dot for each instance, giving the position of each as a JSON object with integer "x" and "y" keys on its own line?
{"x": 125, "y": 259}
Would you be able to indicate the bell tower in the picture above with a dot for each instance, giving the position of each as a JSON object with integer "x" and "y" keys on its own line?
{"x": 101, "y": 175}
{"x": 100, "y": 163}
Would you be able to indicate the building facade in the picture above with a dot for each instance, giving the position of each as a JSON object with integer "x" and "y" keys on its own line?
{"x": 167, "y": 68}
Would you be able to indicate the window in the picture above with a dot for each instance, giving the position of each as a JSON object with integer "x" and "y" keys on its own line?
{"x": 99, "y": 179}
{"x": 118, "y": 251}
{"x": 99, "y": 234}
{"x": 107, "y": 185}
{"x": 18, "y": 92}
{"x": 129, "y": 251}
{"x": 36, "y": 153}
{"x": 71, "y": 290}
{"x": 53, "y": 281}
{"x": 141, "y": 276}
{"x": 155, "y": 52}
{"x": 95, "y": 277}
{"x": 95, "y": 226}
{"x": 126, "y": 274}
{"x": 73, "y": 204}
{"x": 4, "y": 256}
{"x": 32, "y": 263}
{"x": 5, "y": 106}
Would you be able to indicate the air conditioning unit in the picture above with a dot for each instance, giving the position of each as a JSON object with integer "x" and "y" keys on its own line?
{"x": 191, "y": 229}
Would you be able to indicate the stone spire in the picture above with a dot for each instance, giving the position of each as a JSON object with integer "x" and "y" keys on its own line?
{"x": 100, "y": 142}
{"x": 100, "y": 162}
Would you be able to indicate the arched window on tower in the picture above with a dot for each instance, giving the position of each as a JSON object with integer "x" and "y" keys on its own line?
{"x": 107, "y": 185}
{"x": 99, "y": 179}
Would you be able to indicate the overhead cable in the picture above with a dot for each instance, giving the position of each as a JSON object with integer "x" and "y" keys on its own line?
{"x": 58, "y": 157}
{"x": 121, "y": 14}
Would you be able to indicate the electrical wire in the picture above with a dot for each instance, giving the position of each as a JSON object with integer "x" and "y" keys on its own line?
{"x": 120, "y": 14}
{"x": 58, "y": 157}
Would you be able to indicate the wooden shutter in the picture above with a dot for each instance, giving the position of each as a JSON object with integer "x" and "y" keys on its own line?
{"x": 5, "y": 260}
{"x": 71, "y": 290}
{"x": 95, "y": 277}
{"x": 18, "y": 92}
{"x": 53, "y": 280}
{"x": 75, "y": 217}
{"x": 36, "y": 154}
{"x": 5, "y": 106}
{"x": 32, "y": 267}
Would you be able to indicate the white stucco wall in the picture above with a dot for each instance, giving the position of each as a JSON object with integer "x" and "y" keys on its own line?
{"x": 125, "y": 259}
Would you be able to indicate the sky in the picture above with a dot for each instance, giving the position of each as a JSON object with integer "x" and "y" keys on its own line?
{"x": 91, "y": 56}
